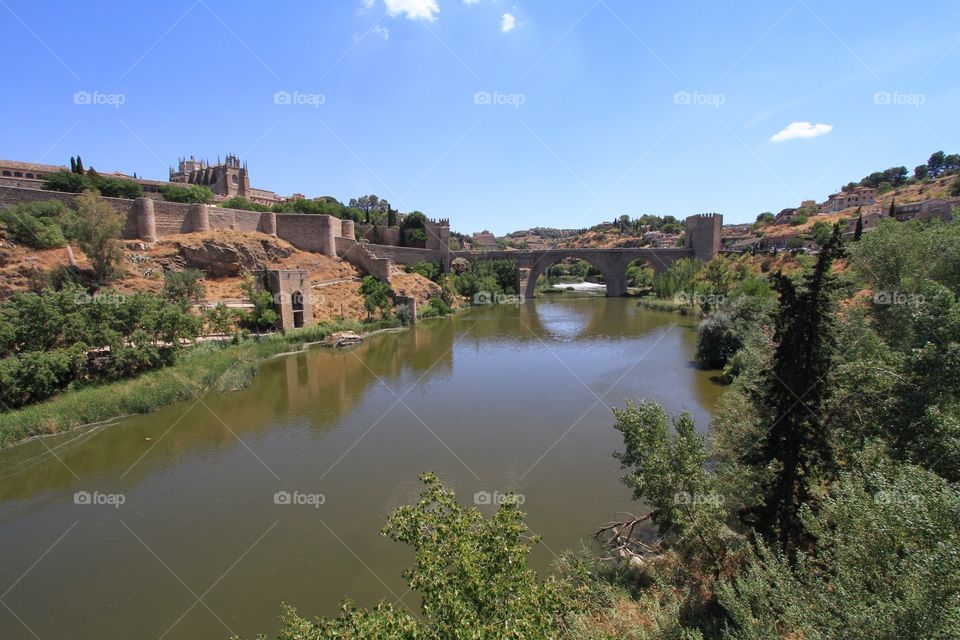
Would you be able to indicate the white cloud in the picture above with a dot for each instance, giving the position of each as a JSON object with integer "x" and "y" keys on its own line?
{"x": 413, "y": 9}
{"x": 470, "y": 1}
{"x": 381, "y": 31}
{"x": 509, "y": 23}
{"x": 801, "y": 130}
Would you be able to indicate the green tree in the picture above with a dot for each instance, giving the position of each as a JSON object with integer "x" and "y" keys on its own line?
{"x": 98, "y": 234}
{"x": 263, "y": 315}
{"x": 183, "y": 286}
{"x": 194, "y": 193}
{"x": 375, "y": 296}
{"x": 797, "y": 450}
{"x": 69, "y": 182}
{"x": 471, "y": 573}
{"x": 858, "y": 232}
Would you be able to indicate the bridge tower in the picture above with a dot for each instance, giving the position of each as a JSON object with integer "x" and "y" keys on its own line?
{"x": 703, "y": 235}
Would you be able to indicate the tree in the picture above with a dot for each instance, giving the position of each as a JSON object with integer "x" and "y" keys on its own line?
{"x": 766, "y": 217}
{"x": 893, "y": 208}
{"x": 194, "y": 193}
{"x": 921, "y": 172}
{"x": 263, "y": 315}
{"x": 79, "y": 166}
{"x": 73, "y": 165}
{"x": 858, "y": 232}
{"x": 796, "y": 450}
{"x": 98, "y": 234}
{"x": 955, "y": 188}
{"x": 471, "y": 573}
{"x": 375, "y": 296}
{"x": 183, "y": 286}
{"x": 935, "y": 164}
{"x": 68, "y": 182}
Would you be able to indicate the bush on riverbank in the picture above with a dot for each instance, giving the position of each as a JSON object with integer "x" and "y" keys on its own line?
{"x": 217, "y": 366}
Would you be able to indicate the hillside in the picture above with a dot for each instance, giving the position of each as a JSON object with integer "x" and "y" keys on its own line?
{"x": 223, "y": 256}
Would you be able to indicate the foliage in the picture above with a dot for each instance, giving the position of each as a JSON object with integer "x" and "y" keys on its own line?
{"x": 435, "y": 306}
{"x": 667, "y": 472}
{"x": 680, "y": 278}
{"x": 46, "y": 338}
{"x": 183, "y": 286}
{"x": 42, "y": 225}
{"x": 887, "y": 565}
{"x": 796, "y": 448}
{"x": 470, "y": 571}
{"x": 263, "y": 315}
{"x": 190, "y": 194}
{"x": 798, "y": 219}
{"x": 76, "y": 182}
{"x": 376, "y": 297}
{"x": 67, "y": 181}
{"x": 429, "y": 270}
{"x": 98, "y": 233}
{"x": 241, "y": 203}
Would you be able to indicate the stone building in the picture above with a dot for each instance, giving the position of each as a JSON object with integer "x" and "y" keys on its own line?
{"x": 859, "y": 197}
{"x": 226, "y": 179}
{"x": 292, "y": 297}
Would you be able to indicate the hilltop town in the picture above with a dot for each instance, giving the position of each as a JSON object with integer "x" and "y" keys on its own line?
{"x": 933, "y": 191}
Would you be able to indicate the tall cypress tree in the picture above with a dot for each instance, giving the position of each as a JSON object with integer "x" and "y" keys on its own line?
{"x": 797, "y": 447}
{"x": 73, "y": 165}
{"x": 80, "y": 165}
{"x": 858, "y": 232}
{"x": 893, "y": 208}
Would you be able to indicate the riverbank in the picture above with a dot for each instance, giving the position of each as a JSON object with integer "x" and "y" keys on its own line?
{"x": 207, "y": 366}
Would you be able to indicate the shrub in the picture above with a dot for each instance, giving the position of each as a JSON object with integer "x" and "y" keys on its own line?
{"x": 118, "y": 187}
{"x": 66, "y": 181}
{"x": 239, "y": 202}
{"x": 716, "y": 341}
{"x": 191, "y": 194}
{"x": 183, "y": 286}
{"x": 36, "y": 224}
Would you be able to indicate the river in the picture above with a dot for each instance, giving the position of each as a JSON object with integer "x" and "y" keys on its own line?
{"x": 198, "y": 520}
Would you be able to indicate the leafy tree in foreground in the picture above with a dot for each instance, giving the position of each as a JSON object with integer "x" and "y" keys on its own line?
{"x": 470, "y": 571}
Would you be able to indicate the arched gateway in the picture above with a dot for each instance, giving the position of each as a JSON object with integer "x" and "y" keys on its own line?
{"x": 702, "y": 242}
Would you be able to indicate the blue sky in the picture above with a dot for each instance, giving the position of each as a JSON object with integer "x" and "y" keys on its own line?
{"x": 496, "y": 114}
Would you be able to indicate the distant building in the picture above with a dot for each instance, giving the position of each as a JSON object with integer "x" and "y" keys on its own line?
{"x": 485, "y": 240}
{"x": 29, "y": 175}
{"x": 927, "y": 210}
{"x": 226, "y": 179}
{"x": 858, "y": 197}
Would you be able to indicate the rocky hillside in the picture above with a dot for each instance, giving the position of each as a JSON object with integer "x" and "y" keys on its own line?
{"x": 223, "y": 256}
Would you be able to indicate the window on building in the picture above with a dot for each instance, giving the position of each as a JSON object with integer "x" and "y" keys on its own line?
{"x": 17, "y": 174}
{"x": 6, "y": 173}
{"x": 234, "y": 179}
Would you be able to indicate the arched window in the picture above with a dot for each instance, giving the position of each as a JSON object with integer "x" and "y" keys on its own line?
{"x": 6, "y": 173}
{"x": 17, "y": 174}
{"x": 234, "y": 179}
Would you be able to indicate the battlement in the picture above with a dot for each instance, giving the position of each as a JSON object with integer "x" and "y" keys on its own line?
{"x": 703, "y": 234}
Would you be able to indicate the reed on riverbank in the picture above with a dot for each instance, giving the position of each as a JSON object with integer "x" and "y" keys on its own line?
{"x": 216, "y": 366}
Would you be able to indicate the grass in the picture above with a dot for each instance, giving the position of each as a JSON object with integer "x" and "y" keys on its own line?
{"x": 661, "y": 304}
{"x": 205, "y": 366}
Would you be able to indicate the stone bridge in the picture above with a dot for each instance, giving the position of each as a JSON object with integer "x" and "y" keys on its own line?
{"x": 702, "y": 242}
